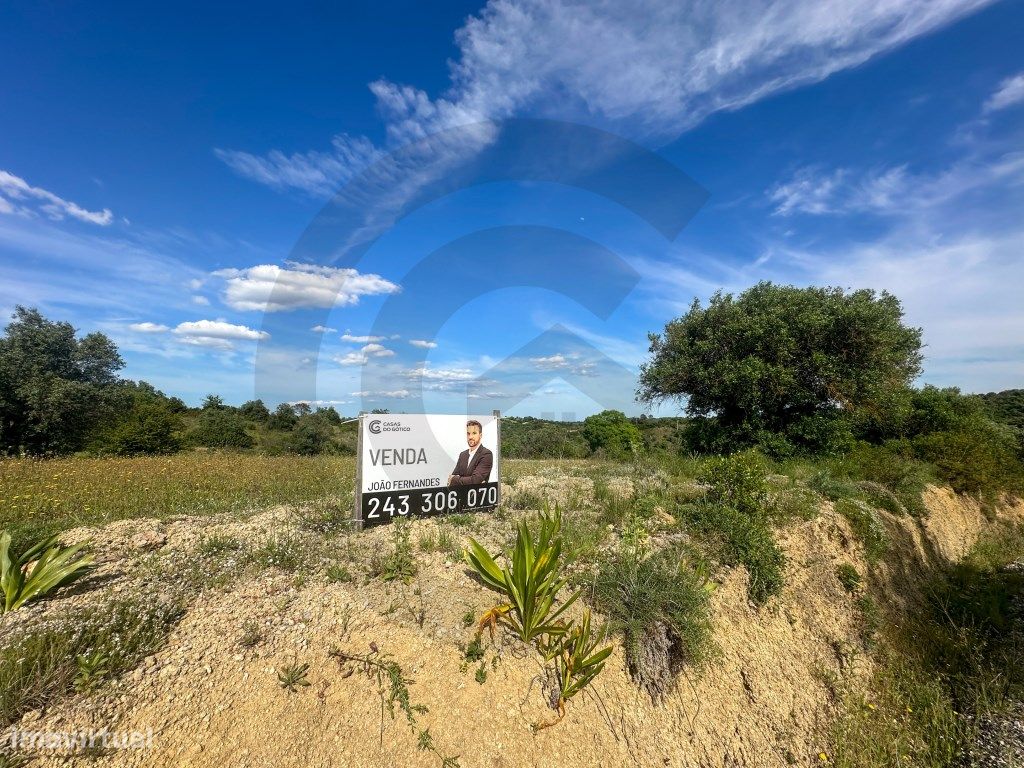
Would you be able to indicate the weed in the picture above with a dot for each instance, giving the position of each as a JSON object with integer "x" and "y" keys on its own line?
{"x": 866, "y": 524}
{"x": 848, "y": 577}
{"x": 39, "y": 663}
{"x": 474, "y": 650}
{"x": 285, "y": 552}
{"x": 217, "y": 544}
{"x": 325, "y": 518}
{"x": 293, "y": 676}
{"x": 469, "y": 617}
{"x": 481, "y": 673}
{"x": 339, "y": 573}
{"x": 252, "y": 635}
{"x": 399, "y": 564}
{"x": 92, "y": 667}
{"x": 393, "y": 689}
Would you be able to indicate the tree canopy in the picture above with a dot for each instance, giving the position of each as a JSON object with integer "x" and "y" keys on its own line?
{"x": 54, "y": 387}
{"x": 783, "y": 363}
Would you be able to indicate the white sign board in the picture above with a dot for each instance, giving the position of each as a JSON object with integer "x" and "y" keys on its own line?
{"x": 426, "y": 464}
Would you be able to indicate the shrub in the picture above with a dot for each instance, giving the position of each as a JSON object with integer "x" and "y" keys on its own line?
{"x": 739, "y": 481}
{"x": 284, "y": 552}
{"x": 220, "y": 428}
{"x": 662, "y": 608}
{"x": 611, "y": 433}
{"x": 981, "y": 460}
{"x": 738, "y": 539}
{"x": 866, "y": 525}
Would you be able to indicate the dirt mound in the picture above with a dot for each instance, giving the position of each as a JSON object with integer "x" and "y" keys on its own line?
{"x": 214, "y": 698}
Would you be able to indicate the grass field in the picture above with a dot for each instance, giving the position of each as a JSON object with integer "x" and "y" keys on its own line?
{"x": 57, "y": 494}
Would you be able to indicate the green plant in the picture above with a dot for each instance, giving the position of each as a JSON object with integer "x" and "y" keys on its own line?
{"x": 338, "y": 572}
{"x": 219, "y": 545}
{"x": 661, "y": 605}
{"x": 292, "y": 676}
{"x": 848, "y": 577}
{"x": 739, "y": 481}
{"x": 739, "y": 539}
{"x": 42, "y": 568}
{"x": 474, "y": 650}
{"x": 399, "y": 564}
{"x": 867, "y": 525}
{"x": 481, "y": 673}
{"x": 469, "y": 617}
{"x": 282, "y": 551}
{"x": 252, "y": 635}
{"x": 578, "y": 660}
{"x": 92, "y": 667}
{"x": 531, "y": 584}
{"x": 389, "y": 676}
{"x": 39, "y": 662}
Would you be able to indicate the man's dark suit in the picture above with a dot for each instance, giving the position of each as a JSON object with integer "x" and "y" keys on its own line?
{"x": 477, "y": 472}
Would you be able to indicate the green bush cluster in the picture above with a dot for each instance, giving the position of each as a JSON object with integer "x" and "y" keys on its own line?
{"x": 734, "y": 519}
{"x": 661, "y": 605}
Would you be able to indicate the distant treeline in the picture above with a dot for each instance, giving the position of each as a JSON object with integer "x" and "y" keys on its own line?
{"x": 789, "y": 372}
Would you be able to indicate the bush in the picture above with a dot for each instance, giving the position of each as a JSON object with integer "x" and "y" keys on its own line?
{"x": 611, "y": 433}
{"x": 738, "y": 539}
{"x": 866, "y": 525}
{"x": 662, "y": 608}
{"x": 221, "y": 428}
{"x": 739, "y": 481}
{"x": 148, "y": 428}
{"x": 979, "y": 460}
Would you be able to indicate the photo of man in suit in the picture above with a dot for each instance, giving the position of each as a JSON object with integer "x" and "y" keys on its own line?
{"x": 474, "y": 464}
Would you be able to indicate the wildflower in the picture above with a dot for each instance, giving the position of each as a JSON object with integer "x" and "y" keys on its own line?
{"x": 823, "y": 757}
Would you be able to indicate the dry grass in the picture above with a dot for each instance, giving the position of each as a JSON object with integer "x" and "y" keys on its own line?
{"x": 63, "y": 493}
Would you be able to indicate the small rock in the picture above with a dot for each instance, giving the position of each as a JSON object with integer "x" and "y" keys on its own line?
{"x": 147, "y": 540}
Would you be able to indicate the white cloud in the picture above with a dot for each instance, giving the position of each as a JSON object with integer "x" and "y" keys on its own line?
{"x": 652, "y": 68}
{"x": 317, "y": 173}
{"x": 892, "y": 191}
{"x": 393, "y": 394}
{"x": 352, "y": 358}
{"x": 571, "y": 363}
{"x": 148, "y": 327}
{"x": 201, "y": 301}
{"x": 1009, "y": 92}
{"x": 216, "y": 334}
{"x": 322, "y": 329}
{"x": 268, "y": 287}
{"x": 363, "y": 356}
{"x": 360, "y": 339}
{"x": 55, "y": 207}
{"x": 550, "y": 363}
{"x": 376, "y": 350}
{"x": 423, "y": 343}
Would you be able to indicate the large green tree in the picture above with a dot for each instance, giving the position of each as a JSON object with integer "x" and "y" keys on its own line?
{"x": 54, "y": 387}
{"x": 783, "y": 365}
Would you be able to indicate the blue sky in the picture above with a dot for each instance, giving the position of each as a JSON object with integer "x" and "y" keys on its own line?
{"x": 176, "y": 179}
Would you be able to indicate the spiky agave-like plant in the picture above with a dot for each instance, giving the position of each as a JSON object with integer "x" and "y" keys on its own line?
{"x": 531, "y": 584}
{"x": 42, "y": 568}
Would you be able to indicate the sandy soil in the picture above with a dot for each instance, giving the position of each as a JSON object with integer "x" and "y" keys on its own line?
{"x": 766, "y": 701}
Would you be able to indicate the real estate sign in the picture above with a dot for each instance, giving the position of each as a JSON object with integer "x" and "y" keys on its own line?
{"x": 426, "y": 464}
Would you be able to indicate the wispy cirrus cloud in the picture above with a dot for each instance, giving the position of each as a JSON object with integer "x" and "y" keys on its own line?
{"x": 1009, "y": 93}
{"x": 650, "y": 70}
{"x": 29, "y": 198}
